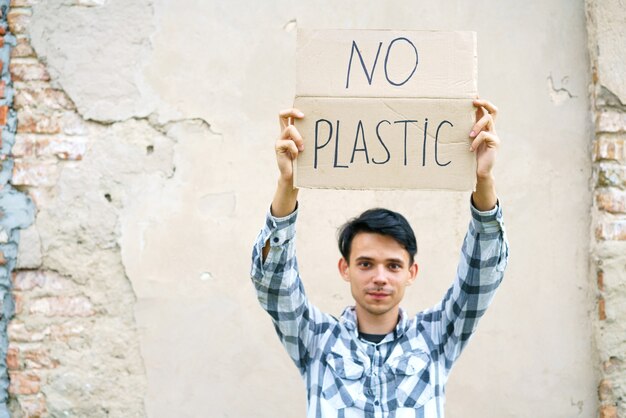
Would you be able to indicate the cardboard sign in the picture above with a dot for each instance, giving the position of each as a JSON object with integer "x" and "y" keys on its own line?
{"x": 386, "y": 109}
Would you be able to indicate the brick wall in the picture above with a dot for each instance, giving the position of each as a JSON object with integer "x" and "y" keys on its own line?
{"x": 71, "y": 349}
{"x": 607, "y": 38}
{"x": 16, "y": 209}
{"x": 48, "y": 134}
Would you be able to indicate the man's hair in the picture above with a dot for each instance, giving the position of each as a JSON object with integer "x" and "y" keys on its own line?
{"x": 378, "y": 221}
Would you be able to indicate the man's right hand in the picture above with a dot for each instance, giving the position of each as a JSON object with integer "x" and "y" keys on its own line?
{"x": 289, "y": 144}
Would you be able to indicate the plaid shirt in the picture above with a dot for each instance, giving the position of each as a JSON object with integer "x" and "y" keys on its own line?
{"x": 405, "y": 374}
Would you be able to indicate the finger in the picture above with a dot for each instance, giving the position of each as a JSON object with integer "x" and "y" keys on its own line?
{"x": 291, "y": 132}
{"x": 490, "y": 107}
{"x": 489, "y": 139}
{"x": 485, "y": 121}
{"x": 287, "y": 146}
{"x": 285, "y": 117}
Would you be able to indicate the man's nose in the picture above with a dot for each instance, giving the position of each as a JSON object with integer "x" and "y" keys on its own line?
{"x": 380, "y": 275}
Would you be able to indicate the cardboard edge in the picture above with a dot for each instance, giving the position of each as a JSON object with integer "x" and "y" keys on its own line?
{"x": 392, "y": 189}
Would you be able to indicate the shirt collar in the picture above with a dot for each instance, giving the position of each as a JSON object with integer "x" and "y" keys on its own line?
{"x": 349, "y": 320}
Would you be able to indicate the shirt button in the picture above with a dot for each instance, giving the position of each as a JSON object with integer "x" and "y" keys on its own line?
{"x": 376, "y": 403}
{"x": 276, "y": 239}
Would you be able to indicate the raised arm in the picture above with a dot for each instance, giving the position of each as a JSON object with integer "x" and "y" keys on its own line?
{"x": 287, "y": 147}
{"x": 274, "y": 266}
{"x": 484, "y": 252}
{"x": 485, "y": 144}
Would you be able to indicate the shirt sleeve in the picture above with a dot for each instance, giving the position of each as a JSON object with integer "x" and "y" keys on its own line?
{"x": 280, "y": 291}
{"x": 483, "y": 259}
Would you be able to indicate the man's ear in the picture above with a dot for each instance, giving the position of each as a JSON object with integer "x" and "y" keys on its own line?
{"x": 343, "y": 267}
{"x": 413, "y": 269}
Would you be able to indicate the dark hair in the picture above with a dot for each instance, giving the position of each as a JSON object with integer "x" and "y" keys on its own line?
{"x": 378, "y": 221}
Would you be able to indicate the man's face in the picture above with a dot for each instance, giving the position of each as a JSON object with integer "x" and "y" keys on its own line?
{"x": 378, "y": 271}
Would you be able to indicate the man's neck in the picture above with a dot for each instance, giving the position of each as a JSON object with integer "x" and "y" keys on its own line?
{"x": 377, "y": 324}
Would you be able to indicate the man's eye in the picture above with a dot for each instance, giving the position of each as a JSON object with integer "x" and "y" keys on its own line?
{"x": 364, "y": 264}
{"x": 395, "y": 266}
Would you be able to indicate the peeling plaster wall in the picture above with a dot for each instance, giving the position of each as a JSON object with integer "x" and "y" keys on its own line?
{"x": 95, "y": 56}
{"x": 176, "y": 104}
{"x": 607, "y": 37}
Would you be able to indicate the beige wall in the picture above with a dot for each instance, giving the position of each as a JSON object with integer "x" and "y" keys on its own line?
{"x": 202, "y": 82}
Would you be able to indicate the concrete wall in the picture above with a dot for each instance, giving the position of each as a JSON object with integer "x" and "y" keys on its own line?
{"x": 145, "y": 140}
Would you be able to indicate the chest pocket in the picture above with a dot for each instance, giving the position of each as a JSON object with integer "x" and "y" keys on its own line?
{"x": 410, "y": 375}
{"x": 343, "y": 381}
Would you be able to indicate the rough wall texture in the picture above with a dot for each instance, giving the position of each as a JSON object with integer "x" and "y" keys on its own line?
{"x": 16, "y": 209}
{"x": 607, "y": 39}
{"x": 73, "y": 341}
{"x": 132, "y": 291}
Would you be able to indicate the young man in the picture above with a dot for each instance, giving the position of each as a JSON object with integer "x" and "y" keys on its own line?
{"x": 375, "y": 361}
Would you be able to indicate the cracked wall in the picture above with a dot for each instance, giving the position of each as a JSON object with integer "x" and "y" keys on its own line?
{"x": 145, "y": 134}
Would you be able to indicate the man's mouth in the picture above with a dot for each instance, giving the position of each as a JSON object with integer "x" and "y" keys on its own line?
{"x": 378, "y": 295}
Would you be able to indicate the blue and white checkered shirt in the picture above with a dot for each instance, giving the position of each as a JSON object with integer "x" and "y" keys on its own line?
{"x": 402, "y": 376}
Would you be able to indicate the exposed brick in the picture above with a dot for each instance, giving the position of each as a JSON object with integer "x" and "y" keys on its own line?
{"x": 2, "y": 89}
{"x": 65, "y": 148}
{"x": 38, "y": 358}
{"x": 43, "y": 98}
{"x": 18, "y": 299}
{"x": 608, "y": 411}
{"x": 28, "y": 71}
{"x": 23, "y": 383}
{"x": 600, "y": 280}
{"x": 3, "y": 261}
{"x": 605, "y": 389}
{"x": 33, "y": 406}
{"x": 4, "y": 110}
{"x": 34, "y": 173}
{"x": 18, "y": 332}
{"x": 62, "y": 306}
{"x": 73, "y": 124}
{"x": 611, "y": 230}
{"x": 13, "y": 357}
{"x": 23, "y": 49}
{"x": 611, "y": 175}
{"x": 25, "y": 146}
{"x": 46, "y": 280}
{"x": 611, "y": 200}
{"x": 609, "y": 148}
{"x": 601, "y": 308}
{"x": 610, "y": 120}
{"x": 69, "y": 149}
{"x": 29, "y": 121}
{"x": 67, "y": 330}
{"x": 611, "y": 365}
{"x": 23, "y": 3}
{"x": 18, "y": 19}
